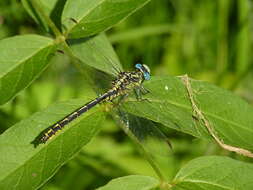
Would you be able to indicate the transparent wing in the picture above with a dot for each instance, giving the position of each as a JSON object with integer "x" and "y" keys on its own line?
{"x": 96, "y": 52}
{"x": 101, "y": 81}
{"x": 153, "y": 143}
{"x": 113, "y": 65}
{"x": 147, "y": 133}
{"x": 107, "y": 55}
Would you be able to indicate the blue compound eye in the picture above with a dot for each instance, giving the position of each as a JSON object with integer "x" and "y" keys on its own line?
{"x": 138, "y": 66}
{"x": 144, "y": 69}
{"x": 146, "y": 76}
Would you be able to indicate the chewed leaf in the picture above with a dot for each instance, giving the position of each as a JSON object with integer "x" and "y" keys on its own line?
{"x": 27, "y": 167}
{"x": 22, "y": 59}
{"x": 170, "y": 104}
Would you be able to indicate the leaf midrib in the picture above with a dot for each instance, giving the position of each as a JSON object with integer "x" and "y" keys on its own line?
{"x": 45, "y": 146}
{"x": 209, "y": 183}
{"x": 204, "y": 112}
{"x": 93, "y": 8}
{"x": 83, "y": 16}
{"x": 24, "y": 60}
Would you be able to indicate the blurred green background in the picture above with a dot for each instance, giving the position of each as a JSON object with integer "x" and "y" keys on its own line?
{"x": 209, "y": 40}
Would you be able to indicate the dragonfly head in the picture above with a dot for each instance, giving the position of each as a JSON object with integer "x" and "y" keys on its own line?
{"x": 144, "y": 69}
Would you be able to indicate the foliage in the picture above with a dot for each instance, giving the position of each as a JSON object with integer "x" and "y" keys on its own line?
{"x": 69, "y": 55}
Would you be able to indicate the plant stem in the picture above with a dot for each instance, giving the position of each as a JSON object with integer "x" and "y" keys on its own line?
{"x": 142, "y": 32}
{"x": 38, "y": 7}
{"x": 240, "y": 77}
{"x": 147, "y": 156}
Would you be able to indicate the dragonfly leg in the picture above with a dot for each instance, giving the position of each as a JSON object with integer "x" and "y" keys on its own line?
{"x": 139, "y": 92}
{"x": 144, "y": 90}
{"x": 120, "y": 100}
{"x": 123, "y": 98}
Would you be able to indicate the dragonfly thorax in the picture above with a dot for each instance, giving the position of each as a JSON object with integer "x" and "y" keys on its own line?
{"x": 127, "y": 81}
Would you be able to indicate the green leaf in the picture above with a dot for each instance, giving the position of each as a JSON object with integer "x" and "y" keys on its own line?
{"x": 117, "y": 156}
{"x": 96, "y": 52}
{"x": 214, "y": 173}
{"x": 25, "y": 167}
{"x": 84, "y": 18}
{"x": 22, "y": 59}
{"x": 132, "y": 182}
{"x": 169, "y": 103}
{"x": 52, "y": 8}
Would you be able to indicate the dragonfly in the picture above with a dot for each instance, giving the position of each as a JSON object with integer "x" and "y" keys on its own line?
{"x": 144, "y": 132}
{"x": 121, "y": 86}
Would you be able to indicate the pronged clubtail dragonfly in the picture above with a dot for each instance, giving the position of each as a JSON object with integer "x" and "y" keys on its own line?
{"x": 122, "y": 85}
{"x": 143, "y": 131}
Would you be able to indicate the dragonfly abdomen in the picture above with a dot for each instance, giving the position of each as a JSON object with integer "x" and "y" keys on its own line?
{"x": 51, "y": 131}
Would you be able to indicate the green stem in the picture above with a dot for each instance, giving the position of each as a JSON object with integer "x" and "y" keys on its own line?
{"x": 68, "y": 50}
{"x": 147, "y": 156}
{"x": 222, "y": 49}
{"x": 38, "y": 7}
{"x": 84, "y": 69}
{"x": 74, "y": 58}
{"x": 240, "y": 77}
{"x": 142, "y": 32}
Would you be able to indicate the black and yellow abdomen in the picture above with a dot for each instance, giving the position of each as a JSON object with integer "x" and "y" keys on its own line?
{"x": 125, "y": 82}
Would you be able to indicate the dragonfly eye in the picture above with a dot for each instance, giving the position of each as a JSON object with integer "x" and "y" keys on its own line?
{"x": 138, "y": 66}
{"x": 146, "y": 72}
{"x": 146, "y": 75}
{"x": 144, "y": 69}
